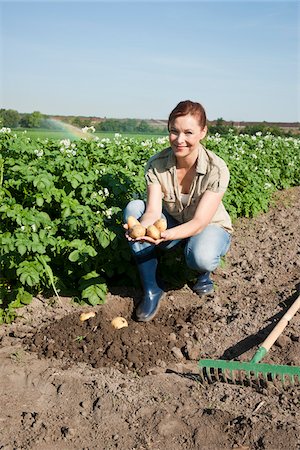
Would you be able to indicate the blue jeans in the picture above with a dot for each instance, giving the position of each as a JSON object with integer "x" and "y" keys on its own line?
{"x": 202, "y": 252}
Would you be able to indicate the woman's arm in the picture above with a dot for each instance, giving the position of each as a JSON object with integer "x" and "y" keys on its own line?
{"x": 154, "y": 205}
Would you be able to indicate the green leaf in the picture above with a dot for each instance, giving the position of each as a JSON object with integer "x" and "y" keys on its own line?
{"x": 95, "y": 294}
{"x": 22, "y": 249}
{"x": 93, "y": 288}
{"x": 29, "y": 272}
{"x": 39, "y": 201}
{"x": 24, "y": 296}
{"x": 74, "y": 256}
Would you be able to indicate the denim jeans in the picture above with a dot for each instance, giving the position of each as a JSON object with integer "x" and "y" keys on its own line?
{"x": 202, "y": 252}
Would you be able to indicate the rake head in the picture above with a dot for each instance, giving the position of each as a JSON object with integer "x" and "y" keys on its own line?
{"x": 248, "y": 373}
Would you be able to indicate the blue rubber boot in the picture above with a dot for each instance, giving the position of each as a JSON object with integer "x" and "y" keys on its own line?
{"x": 204, "y": 284}
{"x": 153, "y": 294}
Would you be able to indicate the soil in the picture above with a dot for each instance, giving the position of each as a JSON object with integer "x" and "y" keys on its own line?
{"x": 68, "y": 384}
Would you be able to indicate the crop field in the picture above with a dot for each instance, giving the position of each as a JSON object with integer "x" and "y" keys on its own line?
{"x": 62, "y": 202}
{"x": 73, "y": 384}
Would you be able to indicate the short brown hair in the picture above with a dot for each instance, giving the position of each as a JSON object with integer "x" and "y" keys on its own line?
{"x": 188, "y": 107}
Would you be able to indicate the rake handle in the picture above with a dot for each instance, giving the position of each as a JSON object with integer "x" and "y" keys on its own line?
{"x": 277, "y": 330}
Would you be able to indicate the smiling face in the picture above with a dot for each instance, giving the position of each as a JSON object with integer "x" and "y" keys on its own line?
{"x": 185, "y": 133}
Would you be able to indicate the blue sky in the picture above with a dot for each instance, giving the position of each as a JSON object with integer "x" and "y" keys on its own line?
{"x": 240, "y": 59}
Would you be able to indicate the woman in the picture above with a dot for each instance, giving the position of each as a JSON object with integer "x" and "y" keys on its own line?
{"x": 185, "y": 185}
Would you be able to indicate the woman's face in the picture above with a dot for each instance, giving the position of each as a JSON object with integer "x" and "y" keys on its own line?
{"x": 185, "y": 134}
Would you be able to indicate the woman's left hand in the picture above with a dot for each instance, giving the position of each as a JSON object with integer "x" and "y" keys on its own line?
{"x": 167, "y": 235}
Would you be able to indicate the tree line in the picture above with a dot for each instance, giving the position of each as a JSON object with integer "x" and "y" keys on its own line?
{"x": 13, "y": 119}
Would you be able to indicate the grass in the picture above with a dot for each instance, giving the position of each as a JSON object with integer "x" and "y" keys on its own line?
{"x": 44, "y": 133}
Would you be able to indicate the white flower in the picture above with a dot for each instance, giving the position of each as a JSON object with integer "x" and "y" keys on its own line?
{"x": 5, "y": 130}
{"x": 33, "y": 227}
{"x": 161, "y": 140}
{"x": 65, "y": 143}
{"x": 267, "y": 171}
{"x": 146, "y": 143}
{"x": 68, "y": 148}
{"x": 268, "y": 185}
{"x": 254, "y": 156}
{"x": 88, "y": 129}
{"x": 103, "y": 192}
{"x": 68, "y": 151}
{"x": 38, "y": 152}
{"x": 108, "y": 213}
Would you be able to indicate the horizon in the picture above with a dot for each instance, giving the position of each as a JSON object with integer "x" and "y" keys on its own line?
{"x": 80, "y": 116}
{"x": 240, "y": 59}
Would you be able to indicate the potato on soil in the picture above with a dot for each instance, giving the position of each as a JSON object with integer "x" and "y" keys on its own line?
{"x": 137, "y": 231}
{"x": 153, "y": 232}
{"x": 131, "y": 221}
{"x": 86, "y": 316}
{"x": 161, "y": 224}
{"x": 119, "y": 322}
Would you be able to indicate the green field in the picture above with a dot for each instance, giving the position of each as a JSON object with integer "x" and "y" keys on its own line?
{"x": 44, "y": 133}
{"x": 62, "y": 203}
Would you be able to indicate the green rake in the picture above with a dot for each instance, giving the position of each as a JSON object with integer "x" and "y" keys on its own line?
{"x": 245, "y": 373}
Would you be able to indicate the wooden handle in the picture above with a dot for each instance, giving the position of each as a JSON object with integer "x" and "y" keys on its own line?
{"x": 278, "y": 329}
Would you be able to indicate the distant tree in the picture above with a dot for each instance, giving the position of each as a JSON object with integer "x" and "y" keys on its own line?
{"x": 109, "y": 125}
{"x": 32, "y": 120}
{"x": 10, "y": 118}
{"x": 80, "y": 122}
{"x": 24, "y": 121}
{"x": 144, "y": 127}
{"x": 262, "y": 128}
{"x": 35, "y": 119}
{"x": 220, "y": 127}
{"x": 128, "y": 126}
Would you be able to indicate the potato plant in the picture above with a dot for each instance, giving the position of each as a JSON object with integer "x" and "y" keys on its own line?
{"x": 62, "y": 201}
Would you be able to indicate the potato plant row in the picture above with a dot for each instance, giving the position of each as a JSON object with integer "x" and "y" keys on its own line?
{"x": 61, "y": 207}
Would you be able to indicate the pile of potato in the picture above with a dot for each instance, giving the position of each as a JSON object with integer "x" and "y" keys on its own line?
{"x": 136, "y": 230}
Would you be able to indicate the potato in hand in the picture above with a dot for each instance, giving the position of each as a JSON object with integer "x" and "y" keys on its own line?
{"x": 161, "y": 224}
{"x": 153, "y": 232}
{"x": 137, "y": 231}
{"x": 131, "y": 221}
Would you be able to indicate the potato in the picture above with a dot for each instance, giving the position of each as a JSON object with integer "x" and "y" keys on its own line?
{"x": 161, "y": 224}
{"x": 153, "y": 232}
{"x": 87, "y": 315}
{"x": 137, "y": 231}
{"x": 131, "y": 221}
{"x": 119, "y": 322}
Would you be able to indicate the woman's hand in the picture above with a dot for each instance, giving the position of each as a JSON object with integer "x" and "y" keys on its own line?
{"x": 167, "y": 235}
{"x": 138, "y": 239}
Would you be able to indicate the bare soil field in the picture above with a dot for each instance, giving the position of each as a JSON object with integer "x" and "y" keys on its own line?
{"x": 67, "y": 384}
